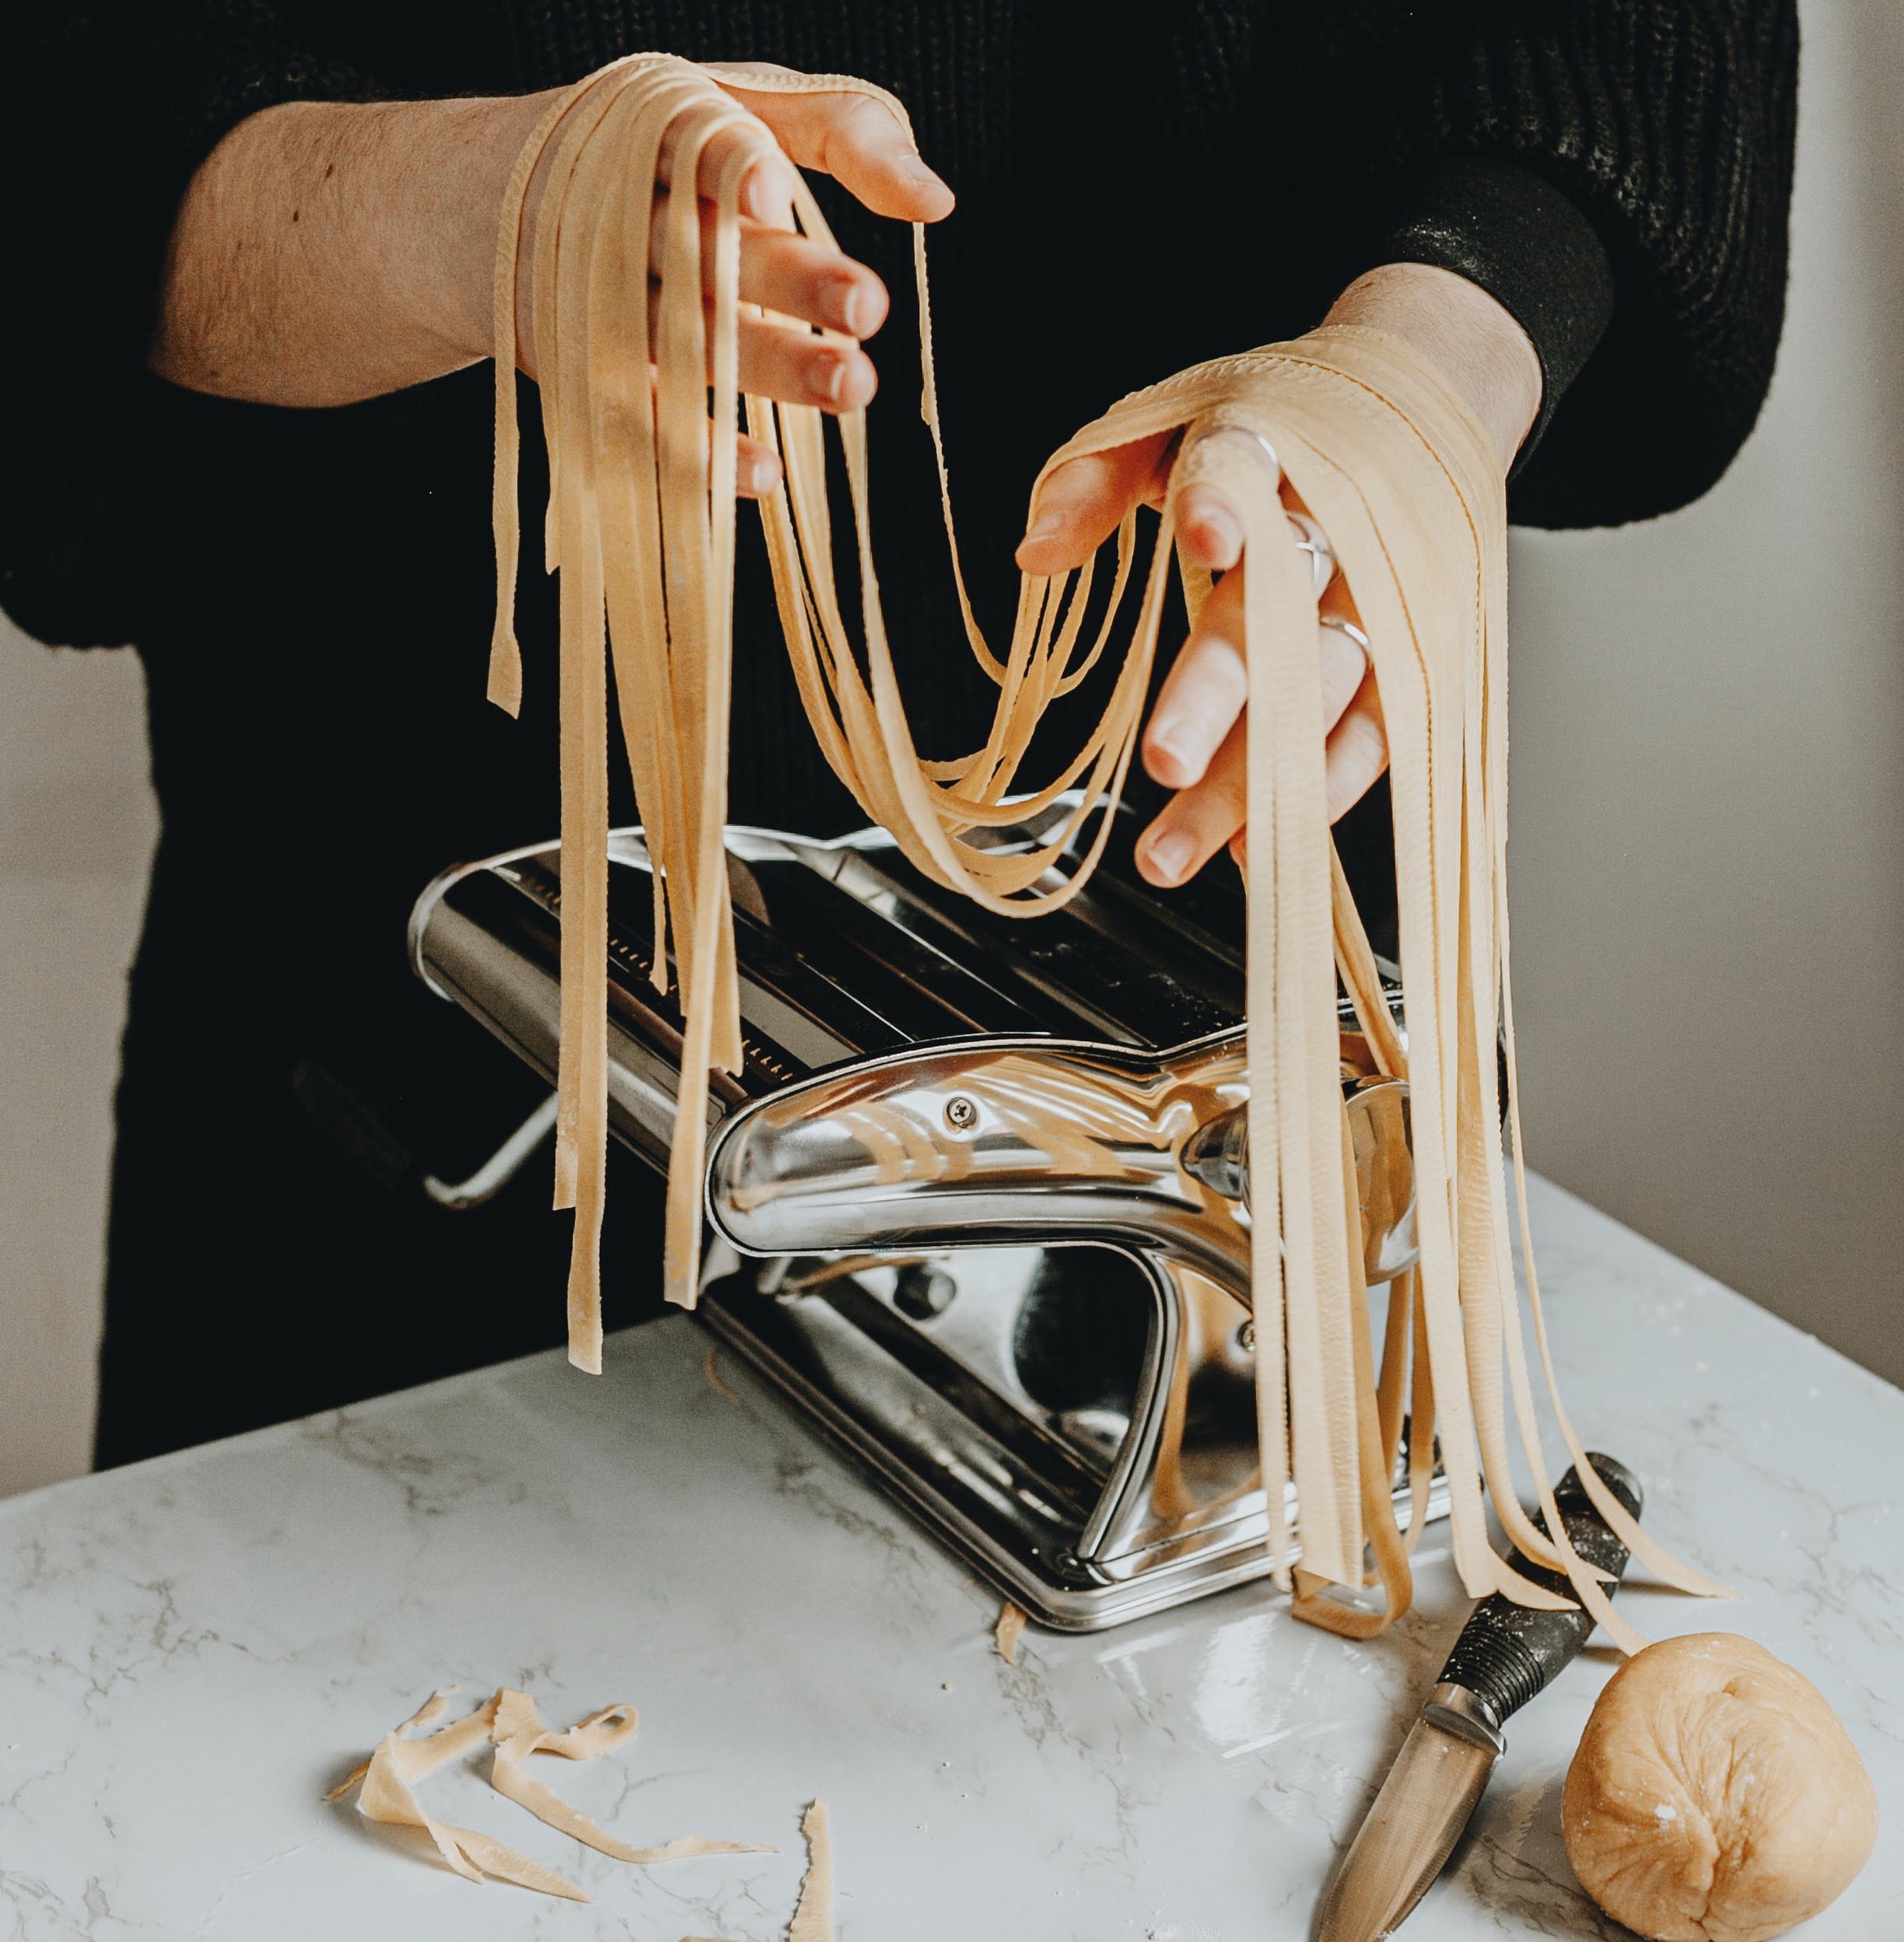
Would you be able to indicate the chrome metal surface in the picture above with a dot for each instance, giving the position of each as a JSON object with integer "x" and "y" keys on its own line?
{"x": 1457, "y": 1710}
{"x": 1007, "y": 1139}
{"x": 500, "y": 1168}
{"x": 1037, "y": 1126}
{"x": 1430, "y": 1794}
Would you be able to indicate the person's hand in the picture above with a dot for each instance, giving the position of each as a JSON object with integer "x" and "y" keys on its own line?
{"x": 1196, "y": 742}
{"x": 328, "y": 252}
{"x": 851, "y": 137}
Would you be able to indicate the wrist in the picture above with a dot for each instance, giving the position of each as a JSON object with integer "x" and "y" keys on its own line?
{"x": 326, "y": 252}
{"x": 450, "y": 172}
{"x": 1473, "y": 340}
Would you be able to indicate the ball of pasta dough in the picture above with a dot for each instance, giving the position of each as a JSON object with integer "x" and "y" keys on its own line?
{"x": 1715, "y": 1797}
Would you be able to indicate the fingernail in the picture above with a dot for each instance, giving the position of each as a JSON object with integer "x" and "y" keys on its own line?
{"x": 829, "y": 375}
{"x": 758, "y": 192}
{"x": 1172, "y": 741}
{"x": 1170, "y": 855}
{"x": 763, "y": 475}
{"x": 1221, "y": 536}
{"x": 1046, "y": 526}
{"x": 848, "y": 303}
{"x": 915, "y": 170}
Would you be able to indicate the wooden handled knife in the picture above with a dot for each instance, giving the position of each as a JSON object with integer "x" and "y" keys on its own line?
{"x": 1506, "y": 1655}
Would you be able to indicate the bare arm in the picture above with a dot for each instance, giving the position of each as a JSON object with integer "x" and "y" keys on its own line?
{"x": 326, "y": 253}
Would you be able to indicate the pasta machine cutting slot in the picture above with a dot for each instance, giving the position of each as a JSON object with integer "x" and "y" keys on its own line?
{"x": 979, "y": 1198}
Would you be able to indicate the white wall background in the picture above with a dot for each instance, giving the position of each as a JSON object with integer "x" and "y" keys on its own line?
{"x": 1708, "y": 847}
{"x": 77, "y": 823}
{"x": 1707, "y": 817}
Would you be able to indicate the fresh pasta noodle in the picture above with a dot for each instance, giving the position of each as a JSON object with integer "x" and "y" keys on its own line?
{"x": 812, "y": 1914}
{"x": 1345, "y": 424}
{"x": 508, "y": 1723}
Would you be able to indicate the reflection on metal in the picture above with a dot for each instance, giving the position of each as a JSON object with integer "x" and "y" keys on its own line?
{"x": 1034, "y": 1139}
{"x": 979, "y": 1196}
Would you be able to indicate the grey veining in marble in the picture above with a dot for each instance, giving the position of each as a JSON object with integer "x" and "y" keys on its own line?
{"x": 192, "y": 1650}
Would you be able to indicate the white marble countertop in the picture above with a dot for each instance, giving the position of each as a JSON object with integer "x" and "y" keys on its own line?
{"x": 192, "y": 1650}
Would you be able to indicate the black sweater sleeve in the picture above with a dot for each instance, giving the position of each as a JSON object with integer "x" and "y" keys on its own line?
{"x": 1554, "y": 151}
{"x": 1668, "y": 126}
{"x": 106, "y": 109}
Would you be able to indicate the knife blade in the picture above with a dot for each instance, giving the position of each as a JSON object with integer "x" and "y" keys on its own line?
{"x": 1506, "y": 1655}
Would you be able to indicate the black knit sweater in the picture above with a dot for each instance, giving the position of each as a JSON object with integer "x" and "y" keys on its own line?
{"x": 1139, "y": 188}
{"x": 1669, "y": 124}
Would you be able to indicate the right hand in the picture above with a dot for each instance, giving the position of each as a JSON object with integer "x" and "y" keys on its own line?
{"x": 859, "y": 141}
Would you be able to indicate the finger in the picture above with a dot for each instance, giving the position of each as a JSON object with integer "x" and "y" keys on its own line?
{"x": 1203, "y": 694}
{"x": 1208, "y": 528}
{"x": 856, "y": 138}
{"x": 1204, "y": 690}
{"x": 1354, "y": 758}
{"x": 1357, "y": 751}
{"x": 756, "y": 468}
{"x": 798, "y": 278}
{"x": 1345, "y": 666}
{"x": 767, "y": 188}
{"x": 790, "y": 274}
{"x": 1083, "y": 502}
{"x": 1198, "y": 821}
{"x": 780, "y": 361}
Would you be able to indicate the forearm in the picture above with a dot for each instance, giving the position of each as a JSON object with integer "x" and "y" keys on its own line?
{"x": 326, "y": 253}
{"x": 1469, "y": 337}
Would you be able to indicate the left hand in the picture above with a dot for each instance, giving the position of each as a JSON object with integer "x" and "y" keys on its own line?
{"x": 1196, "y": 742}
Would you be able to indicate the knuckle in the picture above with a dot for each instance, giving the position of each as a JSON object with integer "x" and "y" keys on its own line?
{"x": 874, "y": 119}
{"x": 1216, "y": 678}
{"x": 1225, "y": 789}
{"x": 1363, "y": 742}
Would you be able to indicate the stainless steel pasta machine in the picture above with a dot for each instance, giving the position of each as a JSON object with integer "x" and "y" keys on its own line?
{"x": 978, "y": 1200}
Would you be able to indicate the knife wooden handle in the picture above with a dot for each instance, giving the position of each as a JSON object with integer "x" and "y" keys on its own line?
{"x": 1506, "y": 1653}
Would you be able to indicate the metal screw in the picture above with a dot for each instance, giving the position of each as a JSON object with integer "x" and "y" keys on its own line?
{"x": 1246, "y": 1336}
{"x": 922, "y": 1291}
{"x": 961, "y": 1114}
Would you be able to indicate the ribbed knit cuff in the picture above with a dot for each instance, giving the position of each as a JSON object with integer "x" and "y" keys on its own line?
{"x": 1521, "y": 239}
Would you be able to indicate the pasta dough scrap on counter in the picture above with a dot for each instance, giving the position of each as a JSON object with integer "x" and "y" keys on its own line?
{"x": 813, "y": 1917}
{"x": 1716, "y": 1797}
{"x": 1349, "y": 426}
{"x": 1007, "y": 1632}
{"x": 508, "y": 1721}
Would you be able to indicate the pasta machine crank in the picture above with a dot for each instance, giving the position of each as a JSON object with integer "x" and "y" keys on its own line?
{"x": 978, "y": 1199}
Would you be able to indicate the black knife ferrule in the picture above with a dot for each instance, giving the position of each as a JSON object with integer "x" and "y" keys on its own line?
{"x": 1507, "y": 1653}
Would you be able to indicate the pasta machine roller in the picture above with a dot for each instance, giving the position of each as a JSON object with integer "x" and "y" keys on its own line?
{"x": 978, "y": 1199}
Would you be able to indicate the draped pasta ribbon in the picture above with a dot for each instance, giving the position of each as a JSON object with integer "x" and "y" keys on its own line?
{"x": 1345, "y": 424}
